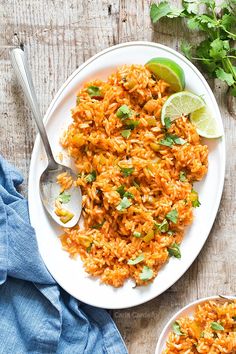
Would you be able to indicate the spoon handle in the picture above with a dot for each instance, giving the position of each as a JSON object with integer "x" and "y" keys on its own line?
{"x": 21, "y": 68}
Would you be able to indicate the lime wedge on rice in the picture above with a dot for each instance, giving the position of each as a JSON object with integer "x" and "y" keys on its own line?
{"x": 205, "y": 123}
{"x": 169, "y": 71}
{"x": 180, "y": 104}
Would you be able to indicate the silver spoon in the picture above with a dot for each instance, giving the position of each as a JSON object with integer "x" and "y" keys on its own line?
{"x": 71, "y": 201}
{"x": 228, "y": 297}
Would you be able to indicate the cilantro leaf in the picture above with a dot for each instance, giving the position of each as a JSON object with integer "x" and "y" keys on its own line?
{"x": 172, "y": 216}
{"x": 224, "y": 76}
{"x": 171, "y": 139}
{"x": 219, "y": 49}
{"x": 163, "y": 227}
{"x": 159, "y": 11}
{"x": 126, "y": 171}
{"x": 177, "y": 329}
{"x": 137, "y": 260}
{"x": 228, "y": 21}
{"x": 196, "y": 203}
{"x": 126, "y": 133}
{"x": 94, "y": 91}
{"x": 191, "y": 7}
{"x": 129, "y": 195}
{"x": 64, "y": 198}
{"x": 182, "y": 176}
{"x": 186, "y": 49}
{"x": 124, "y": 204}
{"x": 121, "y": 190}
{"x": 194, "y": 198}
{"x": 193, "y": 24}
{"x": 91, "y": 177}
{"x": 167, "y": 122}
{"x": 216, "y": 326}
{"x": 167, "y": 141}
{"x": 124, "y": 112}
{"x": 98, "y": 225}
{"x": 137, "y": 234}
{"x": 146, "y": 273}
{"x": 174, "y": 251}
{"x": 131, "y": 124}
{"x": 88, "y": 249}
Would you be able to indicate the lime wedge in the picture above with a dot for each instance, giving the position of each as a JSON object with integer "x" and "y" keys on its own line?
{"x": 180, "y": 104}
{"x": 205, "y": 123}
{"x": 167, "y": 70}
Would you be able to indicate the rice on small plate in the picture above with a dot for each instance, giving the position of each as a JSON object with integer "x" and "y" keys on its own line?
{"x": 206, "y": 326}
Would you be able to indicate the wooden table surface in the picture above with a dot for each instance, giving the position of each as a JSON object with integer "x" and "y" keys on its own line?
{"x": 59, "y": 35}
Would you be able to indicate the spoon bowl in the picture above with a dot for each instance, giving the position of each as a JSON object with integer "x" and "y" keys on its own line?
{"x": 50, "y": 191}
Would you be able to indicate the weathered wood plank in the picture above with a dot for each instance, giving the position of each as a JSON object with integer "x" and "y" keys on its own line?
{"x": 59, "y": 36}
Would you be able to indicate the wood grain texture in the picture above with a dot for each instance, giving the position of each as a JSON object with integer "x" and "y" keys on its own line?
{"x": 59, "y": 35}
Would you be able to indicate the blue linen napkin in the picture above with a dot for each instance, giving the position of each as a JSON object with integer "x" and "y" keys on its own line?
{"x": 36, "y": 315}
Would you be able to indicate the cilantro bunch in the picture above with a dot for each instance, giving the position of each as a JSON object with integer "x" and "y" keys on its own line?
{"x": 217, "y": 52}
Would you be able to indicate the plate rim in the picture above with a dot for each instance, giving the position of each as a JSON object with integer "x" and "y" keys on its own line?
{"x": 47, "y": 118}
{"x": 178, "y": 313}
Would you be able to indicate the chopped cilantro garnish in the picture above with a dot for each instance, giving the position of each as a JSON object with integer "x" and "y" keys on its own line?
{"x": 98, "y": 226}
{"x": 94, "y": 91}
{"x": 88, "y": 249}
{"x": 182, "y": 176}
{"x": 131, "y": 124}
{"x": 164, "y": 226}
{"x": 91, "y": 177}
{"x": 123, "y": 193}
{"x": 176, "y": 329}
{"x": 121, "y": 190}
{"x": 124, "y": 112}
{"x": 216, "y": 326}
{"x": 168, "y": 122}
{"x": 174, "y": 250}
{"x": 171, "y": 139}
{"x": 126, "y": 133}
{"x": 127, "y": 171}
{"x": 178, "y": 141}
{"x": 136, "y": 260}
{"x": 124, "y": 204}
{"x": 137, "y": 234}
{"x": 172, "y": 216}
{"x": 129, "y": 195}
{"x": 167, "y": 141}
{"x": 146, "y": 273}
{"x": 196, "y": 203}
{"x": 234, "y": 318}
{"x": 194, "y": 199}
{"x": 64, "y": 198}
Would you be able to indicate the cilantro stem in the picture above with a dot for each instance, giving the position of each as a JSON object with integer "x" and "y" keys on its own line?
{"x": 230, "y": 33}
{"x": 202, "y": 59}
{"x": 229, "y": 67}
{"x": 232, "y": 56}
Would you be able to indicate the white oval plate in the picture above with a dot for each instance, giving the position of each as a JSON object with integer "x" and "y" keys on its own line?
{"x": 70, "y": 273}
{"x": 184, "y": 312}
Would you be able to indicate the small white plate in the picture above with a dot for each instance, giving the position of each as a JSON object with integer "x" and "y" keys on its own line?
{"x": 184, "y": 312}
{"x": 70, "y": 273}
